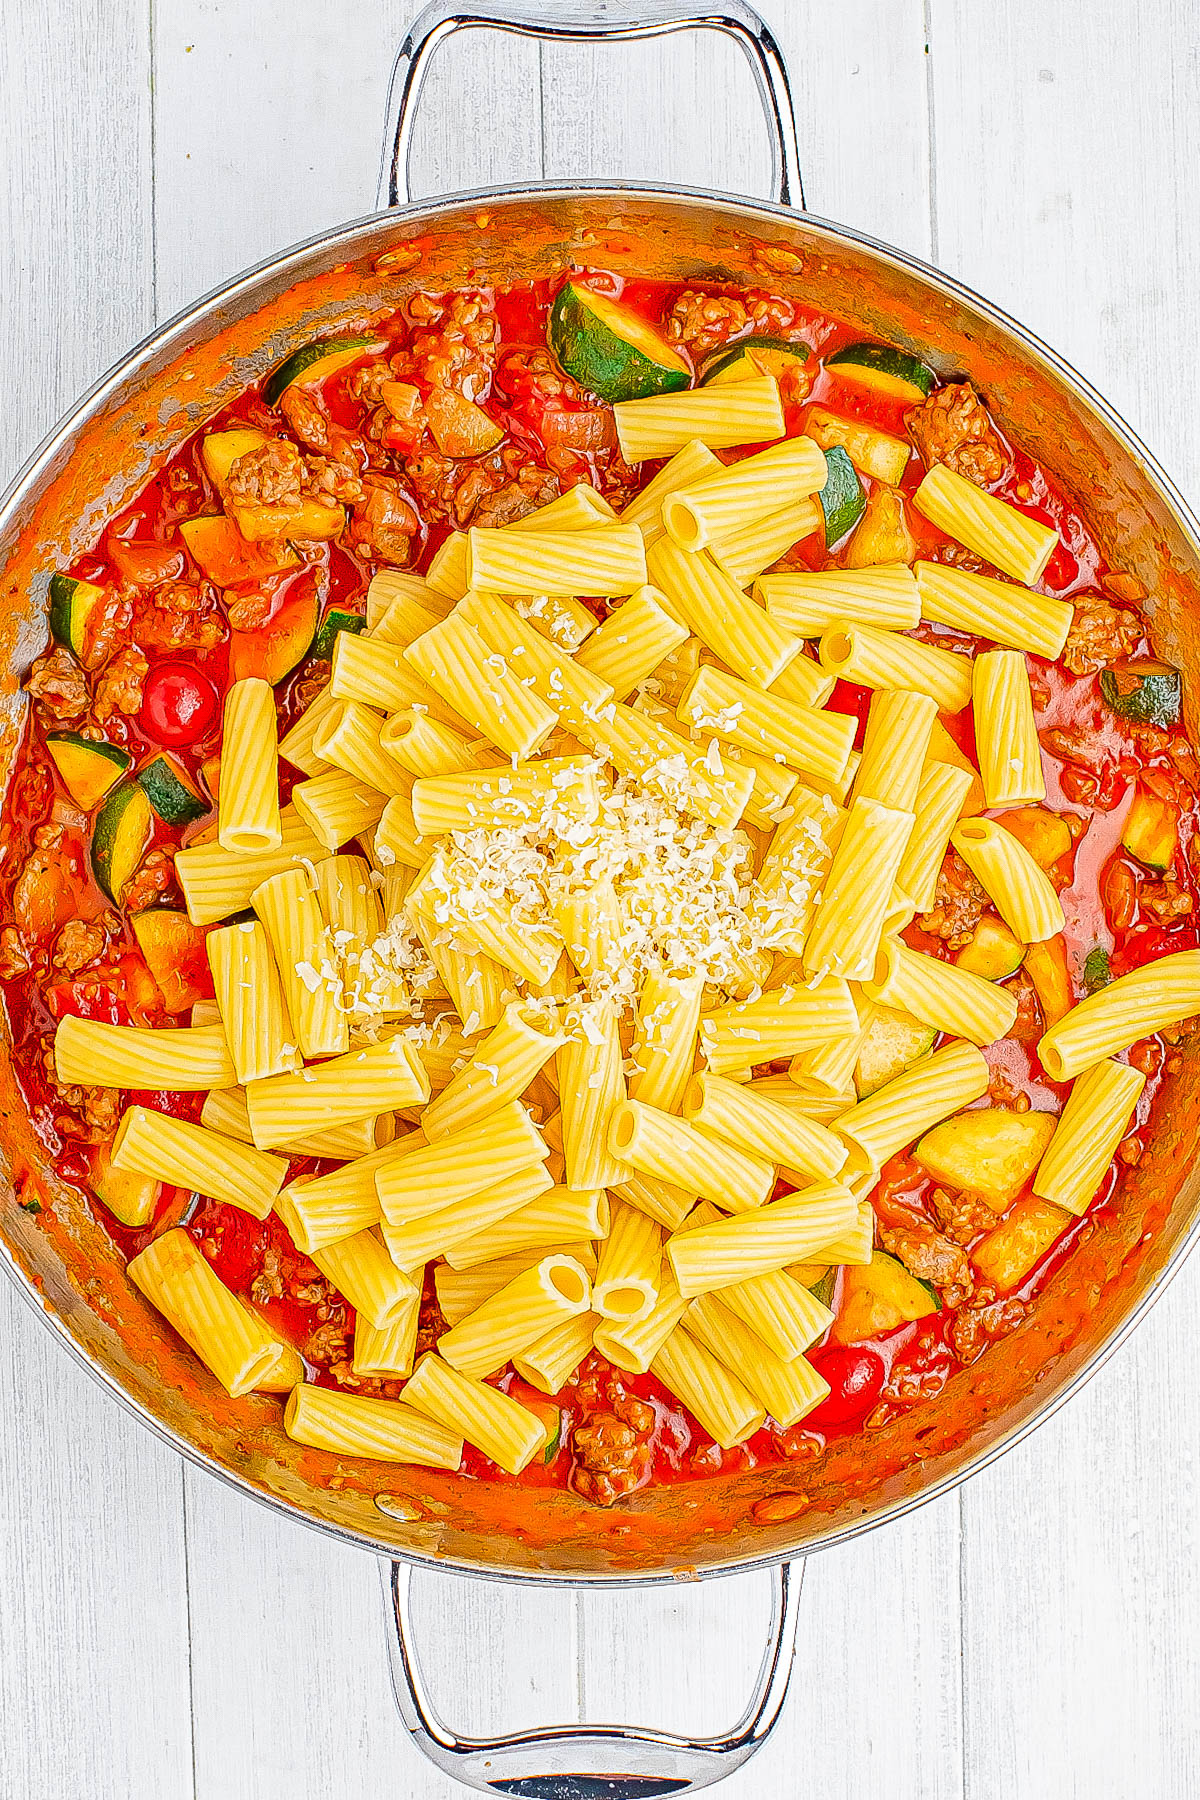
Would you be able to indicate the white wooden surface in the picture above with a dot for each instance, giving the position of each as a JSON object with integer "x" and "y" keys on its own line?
{"x": 1037, "y": 1635}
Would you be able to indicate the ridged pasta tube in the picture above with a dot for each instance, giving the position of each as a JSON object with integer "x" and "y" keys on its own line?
{"x": 573, "y": 693}
{"x": 225, "y": 1110}
{"x": 941, "y": 794}
{"x": 186, "y": 1059}
{"x": 1017, "y": 886}
{"x": 476, "y": 799}
{"x": 780, "y": 1310}
{"x": 753, "y": 1243}
{"x": 985, "y": 607}
{"x": 254, "y": 1013}
{"x": 940, "y": 993}
{"x": 460, "y": 1164}
{"x": 326, "y": 1208}
{"x": 558, "y": 1216}
{"x": 422, "y": 745}
{"x": 730, "y": 1111}
{"x": 199, "y": 1161}
{"x": 227, "y": 1335}
{"x": 481, "y": 687}
{"x": 899, "y": 724}
{"x": 361, "y": 1269}
{"x": 845, "y": 936}
{"x": 702, "y": 597}
{"x": 463, "y": 1291}
{"x": 667, "y": 762}
{"x": 1132, "y": 1007}
{"x": 380, "y": 675}
{"x": 388, "y": 1353}
{"x": 336, "y": 806}
{"x": 889, "y": 659}
{"x": 602, "y": 559}
{"x": 591, "y": 1089}
{"x": 689, "y": 464}
{"x": 747, "y": 550}
{"x": 631, "y": 642}
{"x": 745, "y": 490}
{"x": 359, "y": 1425}
{"x": 786, "y": 1390}
{"x": 373, "y": 1079}
{"x": 550, "y": 1362}
{"x": 994, "y": 529}
{"x": 664, "y": 1042}
{"x": 626, "y": 1284}
{"x": 249, "y": 806}
{"x": 447, "y": 571}
{"x": 437, "y": 1233}
{"x": 350, "y": 740}
{"x": 499, "y": 1071}
{"x": 218, "y": 882}
{"x": 297, "y": 746}
{"x": 927, "y": 1092}
{"x": 660, "y": 1200}
{"x": 715, "y": 1396}
{"x": 1010, "y": 759}
{"x": 811, "y": 605}
{"x": 518, "y": 1315}
{"x": 291, "y": 914}
{"x": 736, "y": 412}
{"x": 814, "y": 742}
{"x": 782, "y": 1022}
{"x": 669, "y": 1149}
{"x": 495, "y": 1424}
{"x": 1093, "y": 1122}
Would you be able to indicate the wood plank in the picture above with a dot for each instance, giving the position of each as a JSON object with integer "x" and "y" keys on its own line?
{"x": 1060, "y": 197}
{"x": 93, "y": 1607}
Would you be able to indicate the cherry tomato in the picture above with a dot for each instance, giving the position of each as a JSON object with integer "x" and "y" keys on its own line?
{"x": 855, "y": 1376}
{"x": 178, "y": 704}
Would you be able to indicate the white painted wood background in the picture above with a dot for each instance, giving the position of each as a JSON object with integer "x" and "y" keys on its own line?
{"x": 1037, "y": 1634}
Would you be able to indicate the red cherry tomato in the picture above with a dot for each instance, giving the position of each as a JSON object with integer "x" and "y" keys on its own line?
{"x": 855, "y": 1376}
{"x": 178, "y": 704}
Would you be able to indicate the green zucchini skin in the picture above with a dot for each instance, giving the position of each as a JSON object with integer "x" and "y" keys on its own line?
{"x": 886, "y": 369}
{"x": 1144, "y": 690}
{"x": 120, "y": 837}
{"x": 335, "y": 620}
{"x": 1096, "y": 972}
{"x": 1151, "y": 831}
{"x": 843, "y": 501}
{"x": 614, "y": 353}
{"x": 72, "y": 603}
{"x": 762, "y": 353}
{"x": 305, "y": 363}
{"x": 171, "y": 792}
{"x": 88, "y": 770}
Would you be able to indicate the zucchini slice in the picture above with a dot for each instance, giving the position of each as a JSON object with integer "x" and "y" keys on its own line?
{"x": 843, "y": 501}
{"x": 88, "y": 770}
{"x": 994, "y": 952}
{"x": 120, "y": 837}
{"x": 1012, "y": 1247}
{"x": 172, "y": 793}
{"x": 883, "y": 535}
{"x": 610, "y": 349}
{"x": 1151, "y": 830}
{"x": 893, "y": 1041}
{"x": 459, "y": 427}
{"x": 885, "y": 370}
{"x": 1096, "y": 972}
{"x": 129, "y": 1197}
{"x": 1144, "y": 690}
{"x": 875, "y": 453}
{"x": 174, "y": 952}
{"x": 315, "y": 362}
{"x": 751, "y": 356}
{"x": 72, "y": 604}
{"x": 275, "y": 648}
{"x": 878, "y": 1296}
{"x": 335, "y": 620}
{"x": 990, "y": 1152}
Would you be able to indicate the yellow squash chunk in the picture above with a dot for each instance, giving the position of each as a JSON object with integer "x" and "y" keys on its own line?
{"x": 989, "y": 1152}
{"x": 459, "y": 427}
{"x": 882, "y": 534}
{"x": 1008, "y": 1252}
{"x": 993, "y": 953}
{"x": 1044, "y": 834}
{"x": 942, "y": 748}
{"x": 310, "y": 520}
{"x": 221, "y": 449}
{"x": 1046, "y": 966}
{"x": 894, "y": 1040}
{"x": 878, "y": 1297}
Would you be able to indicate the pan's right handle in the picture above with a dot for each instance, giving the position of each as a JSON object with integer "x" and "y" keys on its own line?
{"x": 591, "y": 1762}
{"x": 616, "y": 22}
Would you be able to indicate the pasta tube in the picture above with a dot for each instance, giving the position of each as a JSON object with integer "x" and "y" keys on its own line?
{"x": 518, "y": 1315}
{"x": 350, "y": 740}
{"x": 499, "y": 1071}
{"x": 380, "y": 675}
{"x": 736, "y": 412}
{"x": 829, "y": 1069}
{"x": 670, "y": 1149}
{"x": 218, "y": 882}
{"x": 660, "y": 1200}
{"x": 845, "y": 937}
{"x": 1132, "y": 1007}
{"x": 1017, "y": 886}
{"x": 782, "y": 1022}
{"x": 462, "y": 1291}
{"x": 689, "y": 465}
{"x": 578, "y": 509}
{"x": 373, "y": 1079}
{"x": 855, "y": 1243}
{"x": 787, "y": 1390}
{"x": 572, "y": 693}
{"x": 447, "y": 571}
{"x": 422, "y": 745}
{"x": 941, "y": 793}
{"x": 390, "y": 587}
{"x": 664, "y": 1041}
{"x": 481, "y": 686}
{"x": 749, "y": 489}
{"x": 804, "y": 682}
{"x": 500, "y": 1427}
{"x": 361, "y": 1269}
{"x": 815, "y": 743}
{"x": 359, "y": 1425}
{"x": 292, "y": 917}
{"x": 460, "y": 1164}
{"x": 199, "y": 1161}
{"x": 631, "y": 642}
{"x": 899, "y": 725}
{"x": 226, "y": 1111}
{"x": 603, "y": 559}
{"x": 940, "y": 993}
{"x": 388, "y": 1354}
{"x": 715, "y": 1396}
{"x": 626, "y": 1284}
{"x": 1010, "y": 759}
{"x": 437, "y": 1233}
{"x": 591, "y": 1088}
{"x": 928, "y": 1091}
{"x": 888, "y": 659}
{"x": 811, "y": 605}
{"x": 337, "y": 807}
{"x": 551, "y": 1361}
{"x": 994, "y": 529}
{"x": 297, "y": 746}
{"x": 1093, "y": 1122}
{"x": 730, "y": 1111}
{"x": 228, "y": 1337}
{"x": 558, "y": 1216}
{"x": 748, "y": 549}
{"x": 780, "y": 1310}
{"x": 988, "y": 608}
{"x": 632, "y": 1344}
{"x": 754, "y": 1243}
{"x": 702, "y": 597}
{"x": 249, "y": 809}
{"x": 188, "y": 1060}
{"x": 254, "y": 1013}
{"x": 681, "y": 771}
{"x": 326, "y": 1208}
{"x": 554, "y": 791}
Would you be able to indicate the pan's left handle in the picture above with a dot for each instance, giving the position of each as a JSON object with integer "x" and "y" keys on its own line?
{"x": 616, "y": 21}
{"x": 591, "y": 1762}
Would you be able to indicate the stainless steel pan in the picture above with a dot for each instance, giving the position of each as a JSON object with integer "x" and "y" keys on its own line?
{"x": 97, "y": 457}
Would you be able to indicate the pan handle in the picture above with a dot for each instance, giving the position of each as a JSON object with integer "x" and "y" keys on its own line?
{"x": 616, "y": 21}
{"x": 591, "y": 1762}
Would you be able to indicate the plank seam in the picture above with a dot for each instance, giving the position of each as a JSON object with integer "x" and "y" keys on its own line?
{"x": 931, "y": 125}
{"x": 152, "y": 21}
{"x": 965, "y": 1781}
{"x": 187, "y": 1598}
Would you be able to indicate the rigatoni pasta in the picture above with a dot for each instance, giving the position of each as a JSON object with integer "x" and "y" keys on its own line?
{"x": 229, "y": 1338}
{"x": 1010, "y": 761}
{"x": 1020, "y": 890}
{"x": 994, "y": 529}
{"x": 249, "y": 811}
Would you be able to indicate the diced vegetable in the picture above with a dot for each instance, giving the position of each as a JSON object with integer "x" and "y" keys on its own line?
{"x": 1096, "y": 972}
{"x": 171, "y": 791}
{"x": 843, "y": 501}
{"x": 72, "y": 604}
{"x": 228, "y": 558}
{"x": 822, "y": 1288}
{"x": 314, "y": 362}
{"x": 882, "y": 534}
{"x": 994, "y": 952}
{"x": 1044, "y": 834}
{"x": 942, "y": 748}
{"x": 221, "y": 449}
{"x": 130, "y": 1198}
{"x": 876, "y": 453}
{"x": 884, "y": 369}
{"x": 1010, "y": 1250}
{"x": 1142, "y": 689}
{"x": 276, "y": 647}
{"x": 311, "y": 520}
{"x": 179, "y": 704}
{"x": 1151, "y": 830}
{"x": 88, "y": 770}
{"x": 751, "y": 356}
{"x": 335, "y": 620}
{"x": 990, "y": 1152}
{"x": 1046, "y": 966}
{"x": 893, "y": 1041}
{"x": 611, "y": 350}
{"x": 877, "y": 1298}
{"x": 175, "y": 954}
{"x": 459, "y": 427}
{"x": 120, "y": 837}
